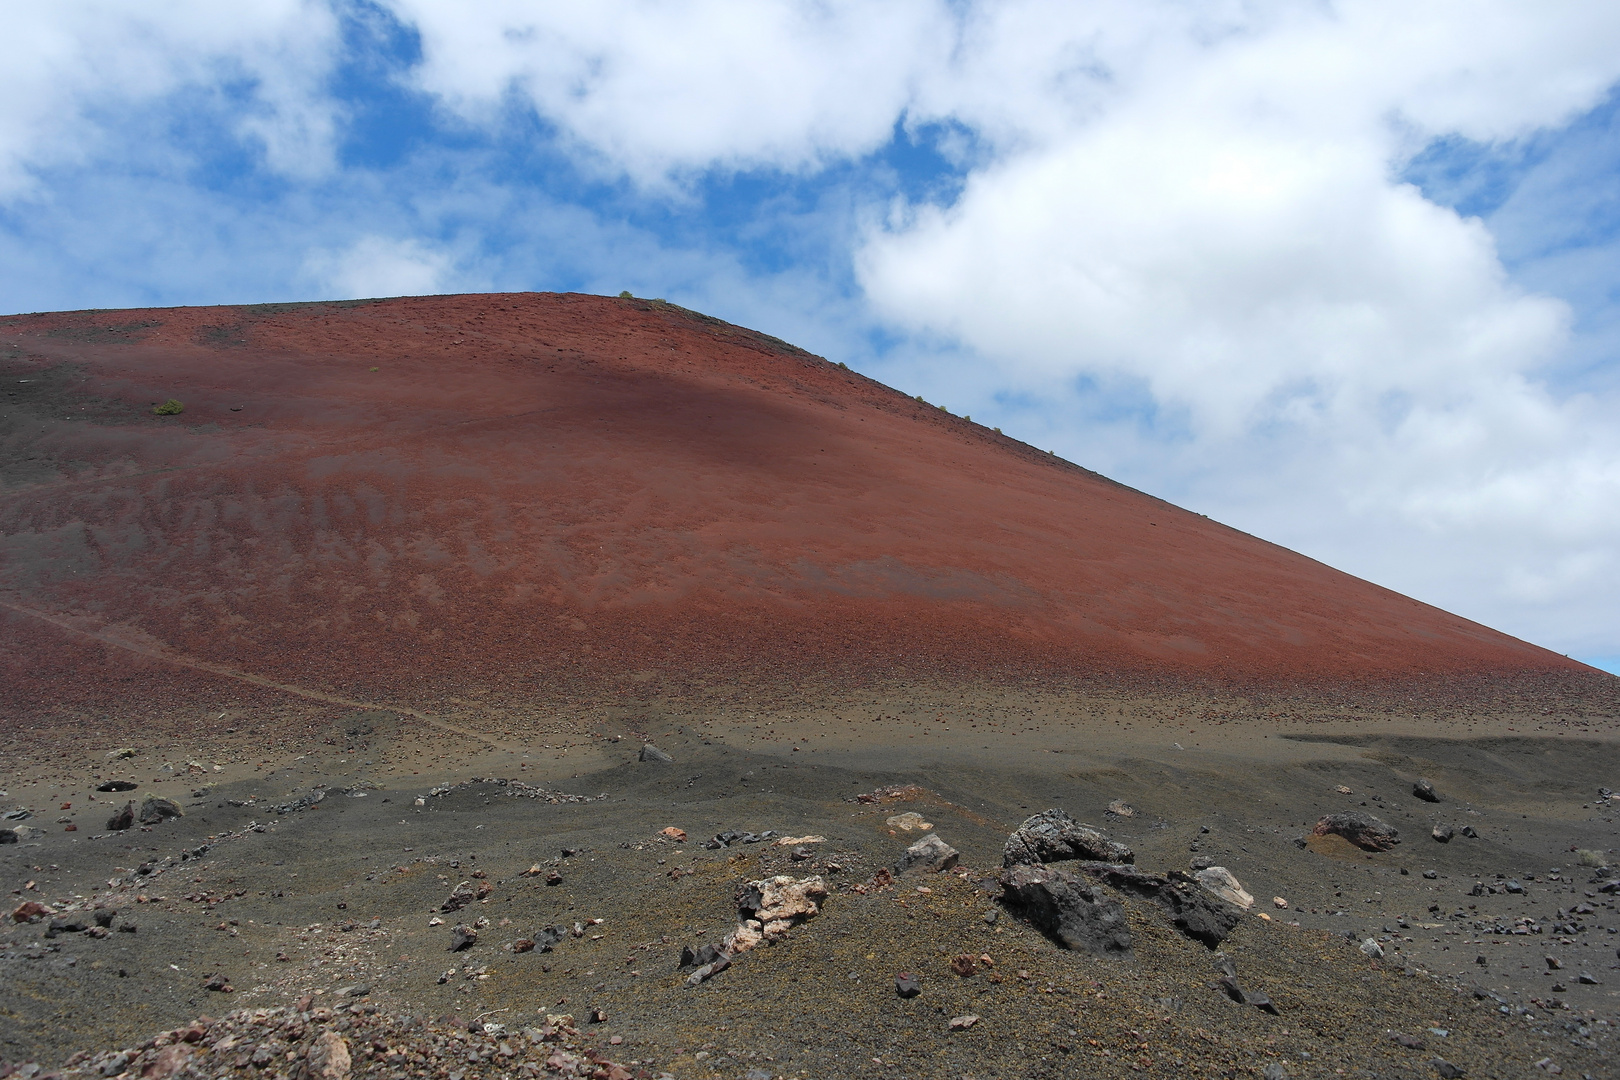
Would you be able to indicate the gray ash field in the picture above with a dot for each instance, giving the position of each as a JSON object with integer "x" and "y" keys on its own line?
{"x": 338, "y": 903}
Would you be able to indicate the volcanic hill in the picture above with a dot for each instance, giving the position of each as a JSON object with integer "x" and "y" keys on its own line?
{"x": 532, "y": 487}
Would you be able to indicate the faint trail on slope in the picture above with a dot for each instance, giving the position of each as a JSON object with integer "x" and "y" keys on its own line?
{"x": 181, "y": 660}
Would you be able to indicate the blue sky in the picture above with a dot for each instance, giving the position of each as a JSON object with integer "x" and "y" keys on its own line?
{"x": 1345, "y": 275}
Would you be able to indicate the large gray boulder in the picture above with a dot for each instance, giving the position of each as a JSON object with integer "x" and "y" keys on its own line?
{"x": 1054, "y": 836}
{"x": 1070, "y": 911}
{"x": 929, "y": 853}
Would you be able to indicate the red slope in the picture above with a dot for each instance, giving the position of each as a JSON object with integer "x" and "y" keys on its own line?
{"x": 532, "y": 485}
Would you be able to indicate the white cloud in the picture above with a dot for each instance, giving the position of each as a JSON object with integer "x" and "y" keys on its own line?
{"x": 375, "y": 266}
{"x": 657, "y": 89}
{"x": 77, "y": 67}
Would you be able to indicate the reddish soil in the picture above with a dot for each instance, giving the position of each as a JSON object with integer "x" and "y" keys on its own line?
{"x": 520, "y": 489}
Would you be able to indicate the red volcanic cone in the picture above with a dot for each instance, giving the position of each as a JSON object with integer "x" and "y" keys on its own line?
{"x": 531, "y": 488}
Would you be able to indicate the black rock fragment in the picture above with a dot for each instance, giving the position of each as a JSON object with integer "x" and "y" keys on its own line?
{"x": 1067, "y": 909}
{"x": 1054, "y": 836}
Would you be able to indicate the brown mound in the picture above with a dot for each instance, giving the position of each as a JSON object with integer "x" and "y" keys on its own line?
{"x": 520, "y": 489}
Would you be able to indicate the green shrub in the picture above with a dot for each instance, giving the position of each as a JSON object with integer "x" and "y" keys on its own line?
{"x": 172, "y": 407}
{"x": 625, "y": 295}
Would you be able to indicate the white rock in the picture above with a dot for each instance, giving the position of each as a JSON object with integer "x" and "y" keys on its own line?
{"x": 1219, "y": 880}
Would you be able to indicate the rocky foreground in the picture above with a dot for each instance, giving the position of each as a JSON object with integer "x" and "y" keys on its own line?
{"x": 704, "y": 911}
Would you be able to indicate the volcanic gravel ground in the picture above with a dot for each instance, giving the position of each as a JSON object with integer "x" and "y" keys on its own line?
{"x": 334, "y": 900}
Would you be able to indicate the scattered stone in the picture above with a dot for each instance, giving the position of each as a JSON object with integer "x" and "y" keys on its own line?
{"x": 703, "y": 954}
{"x": 964, "y": 966}
{"x": 122, "y": 818}
{"x": 678, "y": 835}
{"x": 906, "y": 985}
{"x": 9, "y": 836}
{"x": 1446, "y": 1069}
{"x": 1121, "y": 808}
{"x": 1277, "y": 901}
{"x": 649, "y": 752}
{"x": 462, "y": 937}
{"x": 708, "y": 971}
{"x": 1054, "y": 836}
{"x": 909, "y": 821}
{"x": 123, "y": 753}
{"x": 329, "y": 1058}
{"x": 1342, "y": 790}
{"x": 1513, "y": 885}
{"x": 1067, "y": 909}
{"x": 1371, "y": 948}
{"x": 962, "y": 1023}
{"x": 460, "y": 896}
{"x": 1588, "y": 980}
{"x": 523, "y": 945}
{"x": 553, "y": 877}
{"x": 1274, "y": 1070}
{"x": 1219, "y": 880}
{"x": 1430, "y": 875}
{"x": 1468, "y": 831}
{"x": 1362, "y": 830}
{"x": 218, "y": 983}
{"x": 1443, "y": 833}
{"x": 29, "y": 911}
{"x": 928, "y": 854}
{"x": 1411, "y": 1042}
{"x": 800, "y": 854}
{"x": 118, "y": 785}
{"x": 771, "y": 907}
{"x": 597, "y": 1016}
{"x": 1553, "y": 963}
{"x": 1425, "y": 791}
{"x": 156, "y": 809}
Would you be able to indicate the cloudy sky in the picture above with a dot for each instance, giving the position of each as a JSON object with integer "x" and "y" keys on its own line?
{"x": 1342, "y": 274}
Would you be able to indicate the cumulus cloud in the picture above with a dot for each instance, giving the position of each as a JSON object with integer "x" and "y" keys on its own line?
{"x": 379, "y": 266}
{"x": 657, "y": 90}
{"x": 78, "y": 67}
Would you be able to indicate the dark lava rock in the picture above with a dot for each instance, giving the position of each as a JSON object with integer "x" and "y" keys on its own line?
{"x": 156, "y": 809}
{"x": 1274, "y": 1070}
{"x": 118, "y": 785}
{"x": 906, "y": 985}
{"x": 1067, "y": 909}
{"x": 122, "y": 818}
{"x": 462, "y": 937}
{"x": 8, "y": 836}
{"x": 1430, "y": 875}
{"x": 929, "y": 853}
{"x": 1425, "y": 791}
{"x": 1411, "y": 1042}
{"x": 218, "y": 983}
{"x": 1446, "y": 1069}
{"x": 553, "y": 877}
{"x": 700, "y": 956}
{"x": 548, "y": 937}
{"x": 1194, "y": 910}
{"x": 1588, "y": 980}
{"x": 1442, "y": 833}
{"x": 1468, "y": 831}
{"x": 104, "y": 917}
{"x": 649, "y": 752}
{"x": 1054, "y": 836}
{"x": 1362, "y": 830}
